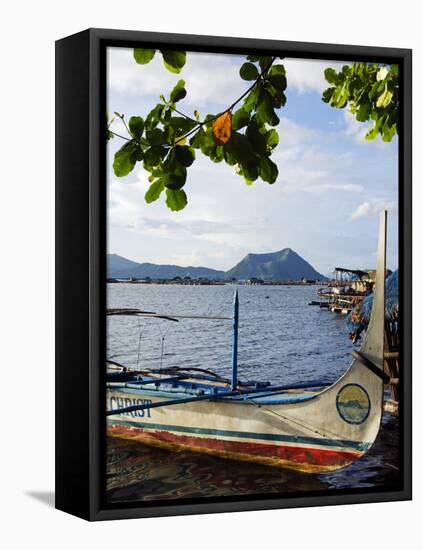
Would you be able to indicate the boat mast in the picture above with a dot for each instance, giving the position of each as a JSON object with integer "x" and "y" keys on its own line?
{"x": 235, "y": 334}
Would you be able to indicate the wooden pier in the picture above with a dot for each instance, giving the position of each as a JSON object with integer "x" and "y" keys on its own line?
{"x": 347, "y": 290}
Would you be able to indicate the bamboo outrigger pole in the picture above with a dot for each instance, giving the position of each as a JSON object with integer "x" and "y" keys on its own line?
{"x": 235, "y": 335}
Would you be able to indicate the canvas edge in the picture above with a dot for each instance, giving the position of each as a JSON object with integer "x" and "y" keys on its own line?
{"x": 94, "y": 170}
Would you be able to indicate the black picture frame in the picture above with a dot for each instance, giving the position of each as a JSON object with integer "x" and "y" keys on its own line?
{"x": 81, "y": 274}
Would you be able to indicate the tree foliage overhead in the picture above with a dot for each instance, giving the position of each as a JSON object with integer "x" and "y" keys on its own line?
{"x": 372, "y": 93}
{"x": 167, "y": 140}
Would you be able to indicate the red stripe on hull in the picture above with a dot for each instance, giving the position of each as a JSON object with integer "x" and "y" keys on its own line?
{"x": 305, "y": 458}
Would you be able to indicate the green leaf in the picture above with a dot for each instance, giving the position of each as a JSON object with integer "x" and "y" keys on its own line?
{"x": 185, "y": 155}
{"x": 174, "y": 60}
{"x": 250, "y": 169}
{"x": 341, "y": 95}
{"x": 265, "y": 111}
{"x": 136, "y": 126}
{"x": 265, "y": 61}
{"x": 278, "y": 81}
{"x": 125, "y": 159}
{"x": 209, "y": 119}
{"x": 374, "y": 130}
{"x": 156, "y": 137}
{"x": 250, "y": 101}
{"x": 143, "y": 56}
{"x": 239, "y": 148}
{"x": 181, "y": 125}
{"x": 175, "y": 175}
{"x": 154, "y": 116}
{"x": 376, "y": 89}
{"x": 382, "y": 73}
{"x": 178, "y": 92}
{"x": 277, "y": 70}
{"x": 363, "y": 112}
{"x": 201, "y": 139}
{"x": 328, "y": 94}
{"x": 248, "y": 71}
{"x": 240, "y": 119}
{"x": 215, "y": 152}
{"x": 176, "y": 199}
{"x": 256, "y": 139}
{"x": 372, "y": 133}
{"x": 198, "y": 139}
{"x": 153, "y": 156}
{"x": 385, "y": 98}
{"x": 388, "y": 132}
{"x": 154, "y": 191}
{"x": 278, "y": 98}
{"x": 268, "y": 170}
{"x": 138, "y": 154}
{"x": 272, "y": 138}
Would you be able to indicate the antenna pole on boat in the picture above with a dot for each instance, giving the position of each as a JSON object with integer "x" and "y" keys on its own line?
{"x": 235, "y": 333}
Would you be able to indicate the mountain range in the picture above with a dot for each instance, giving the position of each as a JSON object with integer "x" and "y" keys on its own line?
{"x": 282, "y": 265}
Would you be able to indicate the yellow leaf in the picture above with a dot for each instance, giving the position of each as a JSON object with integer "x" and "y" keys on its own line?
{"x": 222, "y": 128}
{"x": 180, "y": 141}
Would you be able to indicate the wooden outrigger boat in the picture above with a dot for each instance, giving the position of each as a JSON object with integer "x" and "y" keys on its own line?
{"x": 310, "y": 427}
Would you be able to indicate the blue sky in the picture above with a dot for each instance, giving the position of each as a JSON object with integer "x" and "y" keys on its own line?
{"x": 331, "y": 186}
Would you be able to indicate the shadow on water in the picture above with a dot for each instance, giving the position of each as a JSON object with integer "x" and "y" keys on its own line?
{"x": 137, "y": 472}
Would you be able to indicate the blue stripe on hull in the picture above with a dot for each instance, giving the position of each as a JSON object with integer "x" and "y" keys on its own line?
{"x": 360, "y": 446}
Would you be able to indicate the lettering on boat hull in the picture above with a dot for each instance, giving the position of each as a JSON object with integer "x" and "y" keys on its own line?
{"x": 115, "y": 402}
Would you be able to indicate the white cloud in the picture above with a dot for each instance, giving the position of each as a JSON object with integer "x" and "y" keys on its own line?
{"x": 293, "y": 134}
{"x": 355, "y": 129}
{"x": 372, "y": 208}
{"x": 208, "y": 77}
{"x": 307, "y": 75}
{"x": 306, "y": 163}
{"x": 341, "y": 187}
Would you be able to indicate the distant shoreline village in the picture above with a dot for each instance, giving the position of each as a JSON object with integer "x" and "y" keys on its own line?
{"x": 284, "y": 267}
{"x": 204, "y": 281}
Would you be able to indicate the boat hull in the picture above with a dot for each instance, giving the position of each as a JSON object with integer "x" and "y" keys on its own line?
{"x": 266, "y": 433}
{"x": 294, "y": 457}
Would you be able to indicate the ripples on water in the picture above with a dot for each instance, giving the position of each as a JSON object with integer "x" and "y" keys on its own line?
{"x": 281, "y": 339}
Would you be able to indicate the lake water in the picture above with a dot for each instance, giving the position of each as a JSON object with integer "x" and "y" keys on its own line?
{"x": 281, "y": 339}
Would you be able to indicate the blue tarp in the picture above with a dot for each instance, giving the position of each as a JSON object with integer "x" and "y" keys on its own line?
{"x": 358, "y": 318}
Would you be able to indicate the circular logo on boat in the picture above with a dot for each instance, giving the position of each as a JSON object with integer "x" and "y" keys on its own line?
{"x": 353, "y": 404}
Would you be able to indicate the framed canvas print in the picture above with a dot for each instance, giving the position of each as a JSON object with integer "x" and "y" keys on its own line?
{"x": 233, "y": 274}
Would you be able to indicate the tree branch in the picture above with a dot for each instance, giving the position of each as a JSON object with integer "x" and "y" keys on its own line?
{"x": 201, "y": 123}
{"x": 118, "y": 135}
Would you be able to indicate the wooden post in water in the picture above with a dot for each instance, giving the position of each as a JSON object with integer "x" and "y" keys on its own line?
{"x": 235, "y": 334}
